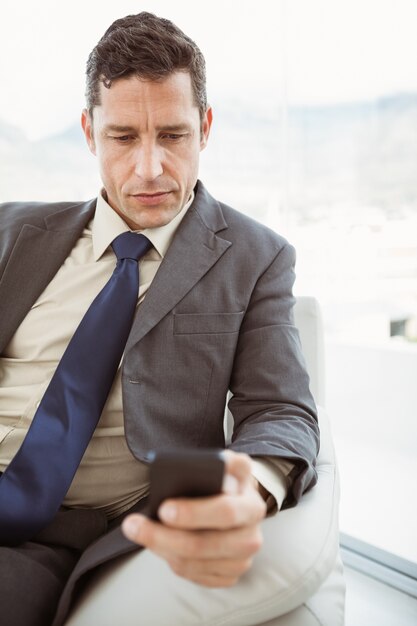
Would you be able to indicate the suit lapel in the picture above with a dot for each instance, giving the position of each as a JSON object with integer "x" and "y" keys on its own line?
{"x": 38, "y": 254}
{"x": 35, "y": 258}
{"x": 194, "y": 250}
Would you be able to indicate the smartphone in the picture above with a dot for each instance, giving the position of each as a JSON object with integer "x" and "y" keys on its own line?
{"x": 184, "y": 473}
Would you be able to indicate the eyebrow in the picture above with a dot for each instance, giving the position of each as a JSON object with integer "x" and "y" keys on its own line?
{"x": 169, "y": 128}
{"x": 116, "y": 128}
{"x": 174, "y": 128}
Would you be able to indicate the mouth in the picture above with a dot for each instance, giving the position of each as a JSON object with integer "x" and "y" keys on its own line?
{"x": 150, "y": 199}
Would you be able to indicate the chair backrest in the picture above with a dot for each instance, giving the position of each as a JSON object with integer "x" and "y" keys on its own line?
{"x": 309, "y": 322}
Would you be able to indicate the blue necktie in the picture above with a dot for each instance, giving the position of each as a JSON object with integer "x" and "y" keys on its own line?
{"x": 37, "y": 479}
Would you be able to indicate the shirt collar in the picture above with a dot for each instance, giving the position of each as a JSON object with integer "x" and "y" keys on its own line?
{"x": 107, "y": 225}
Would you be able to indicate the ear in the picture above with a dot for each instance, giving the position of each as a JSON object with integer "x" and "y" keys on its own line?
{"x": 205, "y": 127}
{"x": 87, "y": 124}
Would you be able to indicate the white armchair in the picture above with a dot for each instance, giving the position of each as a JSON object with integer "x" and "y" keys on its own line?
{"x": 311, "y": 589}
{"x": 296, "y": 577}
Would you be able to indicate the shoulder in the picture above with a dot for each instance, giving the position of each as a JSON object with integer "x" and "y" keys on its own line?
{"x": 253, "y": 232}
{"x": 255, "y": 246}
{"x": 244, "y": 232}
{"x": 13, "y": 215}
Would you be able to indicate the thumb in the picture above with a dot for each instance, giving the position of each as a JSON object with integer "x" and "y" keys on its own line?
{"x": 238, "y": 472}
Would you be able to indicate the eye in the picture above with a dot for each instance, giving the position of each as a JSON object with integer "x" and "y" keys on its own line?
{"x": 122, "y": 138}
{"x": 172, "y": 136}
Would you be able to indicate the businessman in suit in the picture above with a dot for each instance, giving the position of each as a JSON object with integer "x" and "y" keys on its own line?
{"x": 214, "y": 313}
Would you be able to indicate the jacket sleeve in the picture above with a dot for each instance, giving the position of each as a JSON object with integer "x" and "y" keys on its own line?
{"x": 273, "y": 410}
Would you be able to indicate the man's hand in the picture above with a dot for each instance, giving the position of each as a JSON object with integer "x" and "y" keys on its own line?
{"x": 210, "y": 541}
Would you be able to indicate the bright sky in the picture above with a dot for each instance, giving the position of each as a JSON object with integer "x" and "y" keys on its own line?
{"x": 315, "y": 51}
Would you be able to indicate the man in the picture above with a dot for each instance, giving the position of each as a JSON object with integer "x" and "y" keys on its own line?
{"x": 214, "y": 314}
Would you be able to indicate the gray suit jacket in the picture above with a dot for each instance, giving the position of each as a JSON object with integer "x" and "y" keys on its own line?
{"x": 217, "y": 316}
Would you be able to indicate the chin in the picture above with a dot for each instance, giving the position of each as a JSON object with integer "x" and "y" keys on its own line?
{"x": 146, "y": 220}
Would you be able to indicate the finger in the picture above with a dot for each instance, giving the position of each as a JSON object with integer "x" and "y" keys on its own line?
{"x": 172, "y": 543}
{"x": 220, "y": 568}
{"x": 221, "y": 512}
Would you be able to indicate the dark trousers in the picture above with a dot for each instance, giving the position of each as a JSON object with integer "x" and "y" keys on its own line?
{"x": 34, "y": 574}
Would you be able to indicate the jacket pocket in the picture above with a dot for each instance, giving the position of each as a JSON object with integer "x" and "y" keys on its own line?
{"x": 207, "y": 323}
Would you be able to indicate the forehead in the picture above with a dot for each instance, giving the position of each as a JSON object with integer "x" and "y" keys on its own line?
{"x": 135, "y": 99}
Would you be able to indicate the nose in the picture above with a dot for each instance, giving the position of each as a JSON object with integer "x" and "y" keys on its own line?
{"x": 148, "y": 162}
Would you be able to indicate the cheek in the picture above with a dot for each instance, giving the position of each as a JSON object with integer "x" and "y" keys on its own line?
{"x": 186, "y": 165}
{"x": 191, "y": 170}
{"x": 112, "y": 168}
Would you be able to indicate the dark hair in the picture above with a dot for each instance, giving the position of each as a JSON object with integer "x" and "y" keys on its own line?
{"x": 149, "y": 47}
